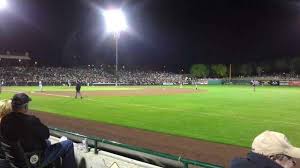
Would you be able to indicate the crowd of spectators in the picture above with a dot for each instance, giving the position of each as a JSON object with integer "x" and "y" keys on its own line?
{"x": 87, "y": 75}
{"x": 21, "y": 75}
{"x": 149, "y": 77}
{"x": 274, "y": 76}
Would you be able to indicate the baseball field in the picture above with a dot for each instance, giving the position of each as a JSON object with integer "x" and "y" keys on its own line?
{"x": 222, "y": 114}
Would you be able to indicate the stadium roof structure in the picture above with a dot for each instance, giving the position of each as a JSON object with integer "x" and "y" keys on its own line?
{"x": 15, "y": 57}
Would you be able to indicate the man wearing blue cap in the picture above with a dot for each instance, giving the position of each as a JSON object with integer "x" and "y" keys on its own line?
{"x": 32, "y": 134}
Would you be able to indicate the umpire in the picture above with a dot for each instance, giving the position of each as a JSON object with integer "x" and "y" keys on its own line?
{"x": 78, "y": 87}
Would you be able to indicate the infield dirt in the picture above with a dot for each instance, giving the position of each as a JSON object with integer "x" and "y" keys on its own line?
{"x": 138, "y": 92}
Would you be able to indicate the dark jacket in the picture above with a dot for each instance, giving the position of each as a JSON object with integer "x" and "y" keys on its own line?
{"x": 4, "y": 163}
{"x": 25, "y": 128}
{"x": 254, "y": 160}
{"x": 78, "y": 87}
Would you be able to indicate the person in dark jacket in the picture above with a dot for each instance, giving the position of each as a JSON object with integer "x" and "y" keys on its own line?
{"x": 32, "y": 134}
{"x": 269, "y": 150}
{"x": 78, "y": 87}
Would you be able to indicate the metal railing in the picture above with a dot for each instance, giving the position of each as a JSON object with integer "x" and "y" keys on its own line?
{"x": 142, "y": 154}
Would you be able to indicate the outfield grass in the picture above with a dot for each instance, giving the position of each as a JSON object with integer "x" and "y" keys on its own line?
{"x": 225, "y": 114}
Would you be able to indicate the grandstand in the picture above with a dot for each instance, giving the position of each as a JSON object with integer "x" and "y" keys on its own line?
{"x": 9, "y": 59}
{"x": 31, "y": 75}
{"x": 27, "y": 76}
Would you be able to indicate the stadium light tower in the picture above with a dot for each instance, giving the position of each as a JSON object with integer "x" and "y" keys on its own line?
{"x": 115, "y": 23}
{"x": 3, "y": 4}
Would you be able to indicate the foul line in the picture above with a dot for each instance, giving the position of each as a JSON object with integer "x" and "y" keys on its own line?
{"x": 14, "y": 91}
{"x": 49, "y": 94}
{"x": 37, "y": 93}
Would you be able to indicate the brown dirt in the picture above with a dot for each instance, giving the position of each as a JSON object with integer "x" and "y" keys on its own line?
{"x": 137, "y": 92}
{"x": 219, "y": 154}
{"x": 215, "y": 153}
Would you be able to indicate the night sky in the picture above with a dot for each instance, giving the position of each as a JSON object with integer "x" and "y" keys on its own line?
{"x": 62, "y": 32}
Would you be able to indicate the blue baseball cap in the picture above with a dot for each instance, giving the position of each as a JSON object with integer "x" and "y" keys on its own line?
{"x": 20, "y": 99}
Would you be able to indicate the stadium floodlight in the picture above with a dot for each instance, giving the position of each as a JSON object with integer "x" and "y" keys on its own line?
{"x": 3, "y": 4}
{"x": 115, "y": 21}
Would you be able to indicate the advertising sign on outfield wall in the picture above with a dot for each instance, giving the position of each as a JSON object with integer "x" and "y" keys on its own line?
{"x": 264, "y": 83}
{"x": 283, "y": 83}
{"x": 294, "y": 83}
{"x": 274, "y": 83}
{"x": 168, "y": 84}
{"x": 215, "y": 82}
{"x": 201, "y": 82}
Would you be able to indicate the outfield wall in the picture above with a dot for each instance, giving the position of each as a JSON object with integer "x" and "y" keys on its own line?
{"x": 199, "y": 82}
{"x": 248, "y": 82}
{"x": 267, "y": 82}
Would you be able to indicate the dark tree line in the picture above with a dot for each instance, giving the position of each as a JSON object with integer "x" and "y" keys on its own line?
{"x": 276, "y": 66}
{"x": 203, "y": 71}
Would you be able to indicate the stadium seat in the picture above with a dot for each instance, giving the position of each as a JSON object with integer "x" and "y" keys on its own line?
{"x": 17, "y": 158}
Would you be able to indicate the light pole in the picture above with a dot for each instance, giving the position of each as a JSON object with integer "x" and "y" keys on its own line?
{"x": 117, "y": 36}
{"x": 116, "y": 23}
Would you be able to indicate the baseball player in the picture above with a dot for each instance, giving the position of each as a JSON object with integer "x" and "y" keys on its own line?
{"x": 254, "y": 83}
{"x": 69, "y": 83}
{"x": 78, "y": 87}
{"x": 41, "y": 86}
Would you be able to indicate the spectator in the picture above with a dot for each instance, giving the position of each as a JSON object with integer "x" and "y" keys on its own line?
{"x": 269, "y": 150}
{"x": 5, "y": 108}
{"x": 32, "y": 134}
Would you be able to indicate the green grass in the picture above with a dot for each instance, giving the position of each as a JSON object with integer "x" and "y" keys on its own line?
{"x": 225, "y": 114}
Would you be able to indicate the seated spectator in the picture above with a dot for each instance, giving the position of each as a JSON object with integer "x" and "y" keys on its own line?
{"x": 269, "y": 150}
{"x": 32, "y": 134}
{"x": 5, "y": 108}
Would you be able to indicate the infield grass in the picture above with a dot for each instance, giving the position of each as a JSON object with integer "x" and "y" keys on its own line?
{"x": 224, "y": 114}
